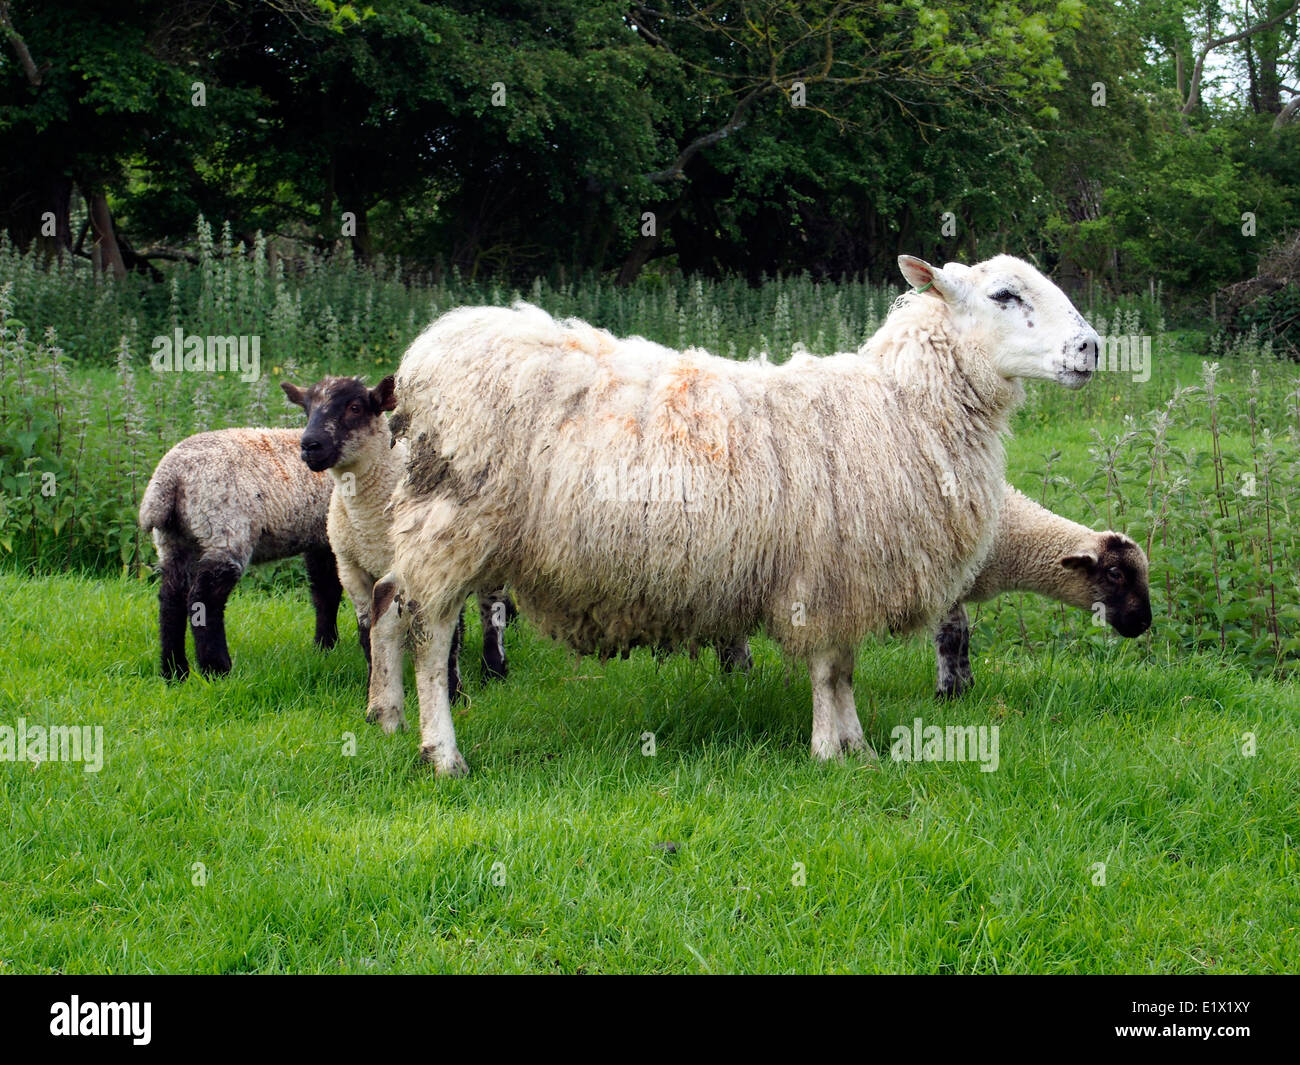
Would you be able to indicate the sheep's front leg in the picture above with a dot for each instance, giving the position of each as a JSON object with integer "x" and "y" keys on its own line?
{"x": 389, "y": 623}
{"x": 846, "y": 710}
{"x": 360, "y": 587}
{"x": 826, "y": 726}
{"x": 952, "y": 654}
{"x": 437, "y": 733}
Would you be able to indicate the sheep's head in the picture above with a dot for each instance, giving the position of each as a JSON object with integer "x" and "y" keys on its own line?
{"x": 1111, "y": 570}
{"x": 1027, "y": 325}
{"x": 343, "y": 415}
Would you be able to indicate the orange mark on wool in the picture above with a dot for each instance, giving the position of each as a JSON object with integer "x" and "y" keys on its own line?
{"x": 260, "y": 442}
{"x": 685, "y": 422}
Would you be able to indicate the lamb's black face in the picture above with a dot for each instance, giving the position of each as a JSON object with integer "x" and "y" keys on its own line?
{"x": 1119, "y": 581}
{"x": 339, "y": 410}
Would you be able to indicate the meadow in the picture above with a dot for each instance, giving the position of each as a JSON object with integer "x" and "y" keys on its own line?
{"x": 1143, "y": 816}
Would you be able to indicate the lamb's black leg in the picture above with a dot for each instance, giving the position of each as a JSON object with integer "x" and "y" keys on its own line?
{"x": 952, "y": 654}
{"x": 736, "y": 655}
{"x": 495, "y": 611}
{"x": 214, "y": 578}
{"x": 326, "y": 593}
{"x": 173, "y": 599}
{"x": 454, "y": 690}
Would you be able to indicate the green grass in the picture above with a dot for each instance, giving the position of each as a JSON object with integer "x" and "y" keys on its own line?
{"x": 321, "y": 861}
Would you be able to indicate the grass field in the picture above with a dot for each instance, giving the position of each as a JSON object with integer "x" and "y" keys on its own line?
{"x": 1143, "y": 816}
{"x": 552, "y": 856}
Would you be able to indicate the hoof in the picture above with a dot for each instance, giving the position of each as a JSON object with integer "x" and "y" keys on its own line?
{"x": 215, "y": 669}
{"x": 175, "y": 674}
{"x": 326, "y": 641}
{"x": 455, "y": 694}
{"x": 495, "y": 670}
{"x": 953, "y": 689}
{"x": 455, "y": 766}
{"x": 390, "y": 719}
{"x": 828, "y": 752}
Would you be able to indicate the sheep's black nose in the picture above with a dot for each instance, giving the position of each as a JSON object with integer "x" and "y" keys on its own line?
{"x": 310, "y": 445}
{"x": 1088, "y": 353}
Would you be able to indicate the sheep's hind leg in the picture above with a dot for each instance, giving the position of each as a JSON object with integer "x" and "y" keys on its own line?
{"x": 735, "y": 655}
{"x": 826, "y": 729}
{"x": 850, "y": 725}
{"x": 437, "y": 732}
{"x": 390, "y": 621}
{"x": 495, "y": 611}
{"x": 326, "y": 593}
{"x": 173, "y": 603}
{"x": 952, "y": 655}
{"x": 215, "y": 576}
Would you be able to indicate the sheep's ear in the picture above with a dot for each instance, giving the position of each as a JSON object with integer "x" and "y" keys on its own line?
{"x": 926, "y": 278}
{"x": 1080, "y": 560}
{"x": 383, "y": 395}
{"x": 296, "y": 395}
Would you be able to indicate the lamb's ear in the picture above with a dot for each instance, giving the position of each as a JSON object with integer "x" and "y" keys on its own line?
{"x": 923, "y": 277}
{"x": 1080, "y": 560}
{"x": 295, "y": 394}
{"x": 383, "y": 396}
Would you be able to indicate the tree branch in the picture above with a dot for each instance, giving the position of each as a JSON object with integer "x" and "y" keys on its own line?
{"x": 1287, "y": 113}
{"x": 19, "y": 47}
{"x": 1194, "y": 90}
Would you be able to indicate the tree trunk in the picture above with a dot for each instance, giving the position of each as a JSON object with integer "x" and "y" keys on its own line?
{"x": 106, "y": 255}
{"x": 645, "y": 247}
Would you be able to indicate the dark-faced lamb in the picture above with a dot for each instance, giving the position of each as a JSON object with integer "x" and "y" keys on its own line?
{"x": 347, "y": 435}
{"x": 217, "y": 503}
{"x": 1036, "y": 550}
{"x": 819, "y": 501}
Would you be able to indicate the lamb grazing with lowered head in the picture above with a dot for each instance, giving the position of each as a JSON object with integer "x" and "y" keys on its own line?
{"x": 1036, "y": 550}
{"x": 347, "y": 434}
{"x": 630, "y": 494}
{"x": 216, "y": 503}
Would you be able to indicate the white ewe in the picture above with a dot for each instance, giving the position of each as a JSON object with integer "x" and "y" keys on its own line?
{"x": 631, "y": 494}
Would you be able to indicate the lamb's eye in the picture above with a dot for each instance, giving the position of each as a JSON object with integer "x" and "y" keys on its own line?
{"x": 354, "y": 408}
{"x": 1115, "y": 573}
{"x": 1004, "y": 295}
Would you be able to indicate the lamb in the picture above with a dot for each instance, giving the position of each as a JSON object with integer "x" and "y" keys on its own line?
{"x": 347, "y": 435}
{"x": 821, "y": 501}
{"x": 216, "y": 503}
{"x": 1034, "y": 550}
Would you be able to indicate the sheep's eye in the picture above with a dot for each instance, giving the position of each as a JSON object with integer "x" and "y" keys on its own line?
{"x": 1004, "y": 295}
{"x": 1115, "y": 573}
{"x": 354, "y": 408}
